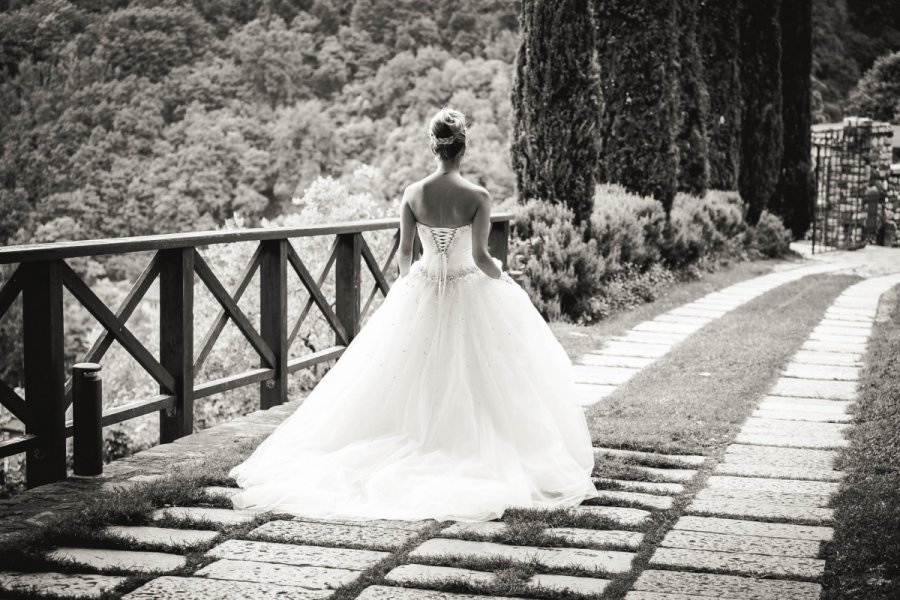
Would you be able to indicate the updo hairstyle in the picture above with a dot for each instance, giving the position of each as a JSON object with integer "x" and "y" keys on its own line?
{"x": 448, "y": 133}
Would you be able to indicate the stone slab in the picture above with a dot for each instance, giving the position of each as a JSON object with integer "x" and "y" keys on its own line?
{"x": 602, "y": 360}
{"x": 654, "y": 326}
{"x": 626, "y": 517}
{"x": 676, "y": 318}
{"x": 651, "y": 337}
{"x": 826, "y": 372}
{"x": 637, "y": 499}
{"x": 840, "y": 347}
{"x": 161, "y": 535}
{"x": 800, "y": 415}
{"x": 723, "y": 542}
{"x": 298, "y": 555}
{"x": 586, "y": 586}
{"x": 738, "y": 563}
{"x": 725, "y": 587}
{"x": 647, "y": 487}
{"x": 790, "y": 486}
{"x": 789, "y": 531}
{"x": 321, "y": 579}
{"x": 762, "y": 470}
{"x": 695, "y": 311}
{"x": 605, "y": 561}
{"x": 58, "y": 584}
{"x": 597, "y": 538}
{"x": 587, "y": 394}
{"x": 201, "y": 588}
{"x": 780, "y": 457}
{"x": 409, "y": 525}
{"x": 811, "y": 404}
{"x": 838, "y": 338}
{"x": 813, "y": 388}
{"x": 652, "y": 458}
{"x": 757, "y": 496}
{"x": 666, "y": 475}
{"x": 603, "y": 375}
{"x": 778, "y": 427}
{"x": 838, "y": 325}
{"x": 223, "y": 517}
{"x": 746, "y": 510}
{"x": 128, "y": 560}
{"x": 386, "y": 592}
{"x": 792, "y": 441}
{"x": 840, "y": 359}
{"x": 616, "y": 348}
{"x": 353, "y": 536}
{"x": 858, "y": 334}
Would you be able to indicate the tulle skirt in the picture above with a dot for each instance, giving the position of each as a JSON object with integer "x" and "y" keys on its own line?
{"x": 452, "y": 406}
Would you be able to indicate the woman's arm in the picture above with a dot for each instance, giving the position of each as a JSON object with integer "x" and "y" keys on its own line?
{"x": 481, "y": 229}
{"x": 407, "y": 235}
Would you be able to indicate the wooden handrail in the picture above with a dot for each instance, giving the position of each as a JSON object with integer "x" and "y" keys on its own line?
{"x": 41, "y": 275}
{"x": 35, "y": 252}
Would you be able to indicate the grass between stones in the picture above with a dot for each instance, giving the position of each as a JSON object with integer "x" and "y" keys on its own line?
{"x": 863, "y": 560}
{"x": 694, "y": 399}
{"x": 579, "y": 339}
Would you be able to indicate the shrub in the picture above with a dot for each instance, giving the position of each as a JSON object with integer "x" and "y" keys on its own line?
{"x": 770, "y": 237}
{"x": 629, "y": 229}
{"x": 562, "y": 271}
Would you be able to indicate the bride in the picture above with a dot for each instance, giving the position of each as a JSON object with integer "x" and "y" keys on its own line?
{"x": 455, "y": 401}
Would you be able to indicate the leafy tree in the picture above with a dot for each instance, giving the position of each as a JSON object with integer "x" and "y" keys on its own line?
{"x": 793, "y": 197}
{"x": 693, "y": 149}
{"x": 637, "y": 44}
{"x": 762, "y": 144}
{"x": 555, "y": 105}
{"x": 877, "y": 95}
{"x": 719, "y": 40}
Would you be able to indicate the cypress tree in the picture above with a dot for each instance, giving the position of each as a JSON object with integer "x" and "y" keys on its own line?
{"x": 761, "y": 121}
{"x": 554, "y": 146}
{"x": 693, "y": 149}
{"x": 637, "y": 45}
{"x": 719, "y": 40}
{"x": 794, "y": 193}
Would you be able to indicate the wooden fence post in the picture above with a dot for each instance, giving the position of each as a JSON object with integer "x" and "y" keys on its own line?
{"x": 176, "y": 339}
{"x": 347, "y": 283}
{"x": 498, "y": 241}
{"x": 273, "y": 319}
{"x": 45, "y": 377}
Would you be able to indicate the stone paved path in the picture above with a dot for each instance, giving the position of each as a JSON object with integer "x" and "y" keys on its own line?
{"x": 764, "y": 512}
{"x": 600, "y": 372}
{"x": 304, "y": 558}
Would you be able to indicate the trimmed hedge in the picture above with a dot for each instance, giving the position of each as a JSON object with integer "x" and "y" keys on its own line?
{"x": 630, "y": 252}
{"x": 554, "y": 148}
{"x": 693, "y": 148}
{"x": 637, "y": 49}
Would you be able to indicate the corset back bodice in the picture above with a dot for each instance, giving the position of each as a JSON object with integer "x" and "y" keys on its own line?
{"x": 446, "y": 251}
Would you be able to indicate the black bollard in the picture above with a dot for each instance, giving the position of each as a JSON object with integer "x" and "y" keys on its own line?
{"x": 87, "y": 396}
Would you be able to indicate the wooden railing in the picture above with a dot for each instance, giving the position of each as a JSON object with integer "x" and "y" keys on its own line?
{"x": 41, "y": 273}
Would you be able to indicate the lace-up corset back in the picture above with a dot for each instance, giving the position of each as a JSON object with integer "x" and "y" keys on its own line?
{"x": 446, "y": 251}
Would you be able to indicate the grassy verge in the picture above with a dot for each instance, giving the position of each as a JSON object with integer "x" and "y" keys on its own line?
{"x": 578, "y": 339}
{"x": 863, "y": 560}
{"x": 694, "y": 399}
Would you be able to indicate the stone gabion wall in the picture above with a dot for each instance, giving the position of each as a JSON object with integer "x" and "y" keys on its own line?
{"x": 852, "y": 162}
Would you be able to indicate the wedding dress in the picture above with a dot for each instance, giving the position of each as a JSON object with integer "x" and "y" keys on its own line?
{"x": 455, "y": 401}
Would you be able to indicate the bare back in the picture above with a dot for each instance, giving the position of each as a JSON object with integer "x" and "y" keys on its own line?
{"x": 444, "y": 200}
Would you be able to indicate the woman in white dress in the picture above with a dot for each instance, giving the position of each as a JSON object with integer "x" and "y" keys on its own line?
{"x": 455, "y": 400}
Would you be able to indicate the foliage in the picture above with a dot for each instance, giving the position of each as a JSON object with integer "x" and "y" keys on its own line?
{"x": 555, "y": 106}
{"x": 793, "y": 195}
{"x": 630, "y": 252}
{"x": 761, "y": 120}
{"x": 719, "y": 40}
{"x": 693, "y": 148}
{"x": 637, "y": 46}
{"x": 877, "y": 94}
{"x": 561, "y": 269}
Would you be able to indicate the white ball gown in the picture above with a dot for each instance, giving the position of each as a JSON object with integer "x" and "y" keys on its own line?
{"x": 454, "y": 402}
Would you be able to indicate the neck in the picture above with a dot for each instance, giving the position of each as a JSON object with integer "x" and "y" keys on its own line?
{"x": 447, "y": 166}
